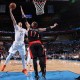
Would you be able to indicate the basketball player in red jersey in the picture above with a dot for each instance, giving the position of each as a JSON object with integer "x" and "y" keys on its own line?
{"x": 35, "y": 44}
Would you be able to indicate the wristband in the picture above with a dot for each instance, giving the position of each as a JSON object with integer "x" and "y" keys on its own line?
{"x": 48, "y": 29}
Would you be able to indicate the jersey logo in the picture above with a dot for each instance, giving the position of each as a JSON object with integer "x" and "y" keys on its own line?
{"x": 21, "y": 34}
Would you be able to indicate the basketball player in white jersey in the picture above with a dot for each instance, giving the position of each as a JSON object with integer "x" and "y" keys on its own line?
{"x": 29, "y": 60}
{"x": 18, "y": 44}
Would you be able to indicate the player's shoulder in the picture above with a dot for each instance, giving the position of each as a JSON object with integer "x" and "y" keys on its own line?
{"x": 15, "y": 25}
{"x": 24, "y": 29}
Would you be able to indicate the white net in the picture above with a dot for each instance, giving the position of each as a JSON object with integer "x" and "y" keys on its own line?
{"x": 39, "y": 5}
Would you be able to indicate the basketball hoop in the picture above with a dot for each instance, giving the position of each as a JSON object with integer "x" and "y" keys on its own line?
{"x": 39, "y": 5}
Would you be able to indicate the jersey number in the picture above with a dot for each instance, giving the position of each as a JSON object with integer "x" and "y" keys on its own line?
{"x": 21, "y": 34}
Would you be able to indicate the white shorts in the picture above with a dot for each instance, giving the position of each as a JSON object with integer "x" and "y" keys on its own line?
{"x": 17, "y": 46}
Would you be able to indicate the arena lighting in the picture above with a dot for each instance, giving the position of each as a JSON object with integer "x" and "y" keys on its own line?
{"x": 6, "y": 37}
{"x": 73, "y": 29}
{"x": 2, "y": 8}
{"x": 48, "y": 37}
{"x": 72, "y": 1}
{"x": 58, "y": 0}
{"x": 76, "y": 28}
{"x": 27, "y": 0}
{"x": 29, "y": 15}
{"x": 6, "y": 32}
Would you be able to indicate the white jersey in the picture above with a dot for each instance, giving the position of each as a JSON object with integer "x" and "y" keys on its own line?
{"x": 19, "y": 33}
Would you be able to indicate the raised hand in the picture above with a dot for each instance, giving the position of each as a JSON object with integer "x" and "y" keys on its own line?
{"x": 22, "y": 12}
{"x": 55, "y": 24}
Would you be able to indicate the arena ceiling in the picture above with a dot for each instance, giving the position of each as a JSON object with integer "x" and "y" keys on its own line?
{"x": 65, "y": 12}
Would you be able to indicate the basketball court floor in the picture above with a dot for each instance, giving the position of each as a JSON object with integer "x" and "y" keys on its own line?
{"x": 56, "y": 70}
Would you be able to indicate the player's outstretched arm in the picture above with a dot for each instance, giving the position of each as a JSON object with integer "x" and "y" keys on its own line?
{"x": 12, "y": 17}
{"x": 25, "y": 19}
{"x": 22, "y": 12}
{"x": 55, "y": 24}
{"x": 48, "y": 28}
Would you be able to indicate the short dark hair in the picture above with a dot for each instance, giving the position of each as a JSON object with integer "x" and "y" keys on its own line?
{"x": 35, "y": 23}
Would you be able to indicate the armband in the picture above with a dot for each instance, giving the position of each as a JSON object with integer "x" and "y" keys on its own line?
{"x": 48, "y": 29}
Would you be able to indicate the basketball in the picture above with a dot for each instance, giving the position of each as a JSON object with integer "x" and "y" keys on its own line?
{"x": 12, "y": 5}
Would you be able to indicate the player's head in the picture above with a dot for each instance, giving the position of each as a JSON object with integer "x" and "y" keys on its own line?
{"x": 20, "y": 24}
{"x": 34, "y": 24}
